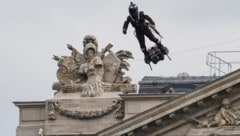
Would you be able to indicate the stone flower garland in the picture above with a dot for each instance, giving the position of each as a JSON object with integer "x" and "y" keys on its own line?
{"x": 87, "y": 114}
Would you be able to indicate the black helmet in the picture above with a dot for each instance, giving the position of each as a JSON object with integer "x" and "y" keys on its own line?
{"x": 133, "y": 10}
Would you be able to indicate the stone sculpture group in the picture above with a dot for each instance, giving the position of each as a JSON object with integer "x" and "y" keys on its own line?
{"x": 93, "y": 72}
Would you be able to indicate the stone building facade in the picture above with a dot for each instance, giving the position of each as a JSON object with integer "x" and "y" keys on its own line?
{"x": 212, "y": 109}
{"x": 93, "y": 97}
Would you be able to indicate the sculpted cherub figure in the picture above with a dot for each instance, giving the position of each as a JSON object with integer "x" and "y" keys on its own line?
{"x": 226, "y": 115}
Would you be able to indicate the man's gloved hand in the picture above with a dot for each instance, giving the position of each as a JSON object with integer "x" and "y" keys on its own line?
{"x": 124, "y": 31}
{"x": 151, "y": 25}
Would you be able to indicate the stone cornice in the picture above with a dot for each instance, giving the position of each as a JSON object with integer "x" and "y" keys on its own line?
{"x": 26, "y": 104}
{"x": 156, "y": 114}
{"x": 150, "y": 96}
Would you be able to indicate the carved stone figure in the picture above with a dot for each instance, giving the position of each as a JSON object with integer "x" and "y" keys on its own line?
{"x": 93, "y": 69}
{"x": 93, "y": 72}
{"x": 51, "y": 111}
{"x": 226, "y": 115}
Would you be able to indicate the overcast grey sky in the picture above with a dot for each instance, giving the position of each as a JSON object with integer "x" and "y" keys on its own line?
{"x": 32, "y": 31}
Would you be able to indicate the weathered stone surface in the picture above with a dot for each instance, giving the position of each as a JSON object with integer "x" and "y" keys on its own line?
{"x": 32, "y": 118}
{"x": 138, "y": 103}
{"x": 32, "y": 114}
{"x": 92, "y": 99}
{"x": 29, "y": 130}
{"x": 215, "y": 131}
{"x": 87, "y": 98}
{"x": 93, "y": 72}
{"x": 82, "y": 115}
{"x": 188, "y": 112}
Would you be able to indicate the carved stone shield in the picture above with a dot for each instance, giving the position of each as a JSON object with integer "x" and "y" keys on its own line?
{"x": 111, "y": 64}
{"x": 68, "y": 68}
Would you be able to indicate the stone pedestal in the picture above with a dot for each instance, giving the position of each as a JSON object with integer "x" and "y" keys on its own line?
{"x": 82, "y": 115}
{"x": 31, "y": 118}
{"x": 69, "y": 114}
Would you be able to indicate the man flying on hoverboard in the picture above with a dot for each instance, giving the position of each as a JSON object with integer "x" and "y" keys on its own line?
{"x": 142, "y": 24}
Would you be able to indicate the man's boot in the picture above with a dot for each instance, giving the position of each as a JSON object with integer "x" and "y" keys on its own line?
{"x": 147, "y": 57}
{"x": 163, "y": 49}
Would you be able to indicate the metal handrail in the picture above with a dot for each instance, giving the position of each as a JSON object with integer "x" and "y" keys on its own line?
{"x": 215, "y": 63}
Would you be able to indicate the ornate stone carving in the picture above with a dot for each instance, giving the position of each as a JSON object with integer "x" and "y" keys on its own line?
{"x": 87, "y": 114}
{"x": 226, "y": 115}
{"x": 92, "y": 72}
{"x": 51, "y": 110}
{"x": 120, "y": 110}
